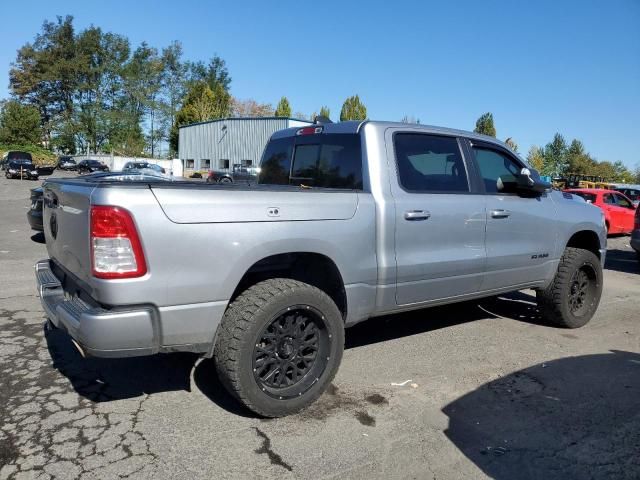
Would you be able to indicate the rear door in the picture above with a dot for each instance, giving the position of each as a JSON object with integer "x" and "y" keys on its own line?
{"x": 439, "y": 220}
{"x": 521, "y": 234}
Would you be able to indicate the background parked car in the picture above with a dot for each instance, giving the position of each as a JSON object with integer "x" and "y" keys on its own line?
{"x": 91, "y": 166}
{"x": 142, "y": 166}
{"x": 15, "y": 155}
{"x": 66, "y": 163}
{"x": 21, "y": 169}
{"x": 618, "y": 210}
{"x": 34, "y": 215}
{"x": 239, "y": 173}
{"x": 633, "y": 193}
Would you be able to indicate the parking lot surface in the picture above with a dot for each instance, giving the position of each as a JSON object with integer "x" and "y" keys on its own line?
{"x": 475, "y": 390}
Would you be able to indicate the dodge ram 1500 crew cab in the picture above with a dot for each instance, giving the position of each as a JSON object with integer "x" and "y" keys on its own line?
{"x": 346, "y": 222}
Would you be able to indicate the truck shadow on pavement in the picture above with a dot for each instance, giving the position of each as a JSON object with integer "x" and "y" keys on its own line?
{"x": 624, "y": 261}
{"x": 576, "y": 417}
{"x": 103, "y": 380}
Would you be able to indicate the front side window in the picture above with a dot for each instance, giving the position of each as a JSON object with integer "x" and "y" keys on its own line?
{"x": 623, "y": 202}
{"x": 494, "y": 165}
{"x": 430, "y": 163}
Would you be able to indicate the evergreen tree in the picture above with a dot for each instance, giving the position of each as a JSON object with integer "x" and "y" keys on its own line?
{"x": 325, "y": 112}
{"x": 353, "y": 109}
{"x": 283, "y": 109}
{"x": 555, "y": 157}
{"x": 484, "y": 125}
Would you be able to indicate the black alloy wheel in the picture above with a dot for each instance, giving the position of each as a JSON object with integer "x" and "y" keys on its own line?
{"x": 582, "y": 290}
{"x": 291, "y": 352}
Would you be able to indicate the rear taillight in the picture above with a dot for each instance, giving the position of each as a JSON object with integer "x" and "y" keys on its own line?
{"x": 116, "y": 251}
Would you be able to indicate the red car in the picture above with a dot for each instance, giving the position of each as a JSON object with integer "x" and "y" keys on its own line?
{"x": 618, "y": 209}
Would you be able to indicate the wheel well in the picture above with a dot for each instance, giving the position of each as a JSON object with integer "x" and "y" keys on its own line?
{"x": 587, "y": 240}
{"x": 312, "y": 268}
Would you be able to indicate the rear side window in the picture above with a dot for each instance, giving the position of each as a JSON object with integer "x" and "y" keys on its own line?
{"x": 325, "y": 161}
{"x": 608, "y": 198}
{"x": 430, "y": 163}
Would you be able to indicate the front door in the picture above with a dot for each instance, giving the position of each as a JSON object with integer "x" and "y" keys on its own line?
{"x": 521, "y": 234}
{"x": 440, "y": 223}
{"x": 623, "y": 211}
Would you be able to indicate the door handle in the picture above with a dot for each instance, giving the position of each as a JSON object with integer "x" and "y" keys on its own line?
{"x": 413, "y": 215}
{"x": 499, "y": 213}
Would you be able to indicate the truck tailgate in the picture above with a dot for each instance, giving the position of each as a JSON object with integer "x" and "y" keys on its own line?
{"x": 66, "y": 226}
{"x": 223, "y": 205}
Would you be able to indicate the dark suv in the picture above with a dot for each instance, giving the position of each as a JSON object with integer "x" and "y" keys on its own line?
{"x": 15, "y": 155}
{"x": 21, "y": 169}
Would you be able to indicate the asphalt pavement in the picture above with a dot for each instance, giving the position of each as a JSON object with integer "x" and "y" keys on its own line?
{"x": 475, "y": 390}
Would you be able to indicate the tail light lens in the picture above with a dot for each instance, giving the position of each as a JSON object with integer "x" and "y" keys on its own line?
{"x": 116, "y": 251}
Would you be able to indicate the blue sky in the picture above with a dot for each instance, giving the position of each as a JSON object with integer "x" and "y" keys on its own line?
{"x": 540, "y": 66}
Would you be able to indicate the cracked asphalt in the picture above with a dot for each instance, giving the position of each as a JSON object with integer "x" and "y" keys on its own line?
{"x": 476, "y": 390}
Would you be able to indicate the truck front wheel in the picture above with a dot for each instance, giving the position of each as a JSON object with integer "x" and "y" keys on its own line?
{"x": 279, "y": 346}
{"x": 573, "y": 296}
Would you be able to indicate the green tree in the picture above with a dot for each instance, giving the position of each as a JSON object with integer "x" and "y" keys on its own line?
{"x": 214, "y": 74}
{"x": 484, "y": 125}
{"x": 201, "y": 104}
{"x": 325, "y": 112}
{"x": 555, "y": 157}
{"x": 353, "y": 109}
{"x": 283, "y": 109}
{"x": 19, "y": 124}
{"x": 535, "y": 158}
{"x": 44, "y": 75}
{"x": 578, "y": 160}
{"x": 173, "y": 87}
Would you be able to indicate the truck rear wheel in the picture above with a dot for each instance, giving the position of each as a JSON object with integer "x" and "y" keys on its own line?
{"x": 573, "y": 296}
{"x": 279, "y": 346}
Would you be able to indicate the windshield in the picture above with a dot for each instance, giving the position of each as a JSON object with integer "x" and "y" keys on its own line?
{"x": 20, "y": 164}
{"x": 19, "y": 156}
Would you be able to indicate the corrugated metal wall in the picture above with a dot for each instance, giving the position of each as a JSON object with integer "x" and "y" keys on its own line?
{"x": 228, "y": 139}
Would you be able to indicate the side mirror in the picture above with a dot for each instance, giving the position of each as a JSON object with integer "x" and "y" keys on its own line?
{"x": 524, "y": 183}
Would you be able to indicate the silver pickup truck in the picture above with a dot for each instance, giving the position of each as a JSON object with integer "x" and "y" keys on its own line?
{"x": 346, "y": 222}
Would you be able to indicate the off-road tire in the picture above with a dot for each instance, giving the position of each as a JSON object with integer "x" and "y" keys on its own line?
{"x": 244, "y": 323}
{"x": 554, "y": 301}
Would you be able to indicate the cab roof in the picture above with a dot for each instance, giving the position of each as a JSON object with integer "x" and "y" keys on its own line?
{"x": 354, "y": 127}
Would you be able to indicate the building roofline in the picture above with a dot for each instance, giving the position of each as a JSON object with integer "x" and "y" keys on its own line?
{"x": 226, "y": 119}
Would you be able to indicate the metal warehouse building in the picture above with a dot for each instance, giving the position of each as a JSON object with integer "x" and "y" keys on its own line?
{"x": 220, "y": 144}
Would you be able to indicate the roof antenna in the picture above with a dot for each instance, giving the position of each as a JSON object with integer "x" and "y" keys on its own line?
{"x": 320, "y": 119}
